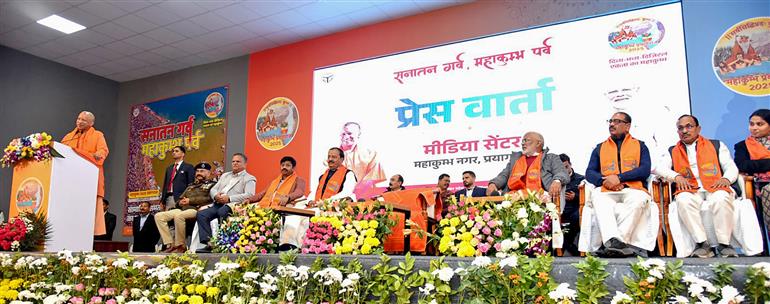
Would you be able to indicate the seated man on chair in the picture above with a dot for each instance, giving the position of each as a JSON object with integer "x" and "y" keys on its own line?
{"x": 533, "y": 168}
{"x": 619, "y": 168}
{"x": 470, "y": 190}
{"x": 396, "y": 183}
{"x": 234, "y": 187}
{"x": 701, "y": 166}
{"x": 196, "y": 195}
{"x": 337, "y": 182}
{"x": 284, "y": 189}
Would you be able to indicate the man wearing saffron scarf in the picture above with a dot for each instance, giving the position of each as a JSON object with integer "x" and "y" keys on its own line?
{"x": 90, "y": 144}
{"x": 336, "y": 183}
{"x": 619, "y": 168}
{"x": 284, "y": 189}
{"x": 703, "y": 171}
{"x": 533, "y": 168}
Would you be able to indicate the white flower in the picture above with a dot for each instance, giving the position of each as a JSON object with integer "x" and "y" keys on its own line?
{"x": 656, "y": 273}
{"x": 505, "y": 204}
{"x": 511, "y": 261}
{"x": 121, "y": 263}
{"x": 138, "y": 264}
{"x": 55, "y": 299}
{"x": 550, "y": 206}
{"x": 302, "y": 273}
{"x": 250, "y": 276}
{"x": 268, "y": 284}
{"x": 730, "y": 295}
{"x": 427, "y": 289}
{"x": 445, "y": 274}
{"x": 620, "y": 298}
{"x": 658, "y": 263}
{"x": 562, "y": 292}
{"x": 329, "y": 275}
{"x": 535, "y": 208}
{"x": 162, "y": 273}
{"x": 225, "y": 267}
{"x": 290, "y": 295}
{"x": 481, "y": 261}
{"x": 433, "y": 301}
{"x": 93, "y": 260}
{"x": 522, "y": 214}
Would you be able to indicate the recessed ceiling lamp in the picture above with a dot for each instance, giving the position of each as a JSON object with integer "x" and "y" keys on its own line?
{"x": 60, "y": 24}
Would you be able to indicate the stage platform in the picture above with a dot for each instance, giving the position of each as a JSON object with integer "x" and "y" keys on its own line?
{"x": 563, "y": 269}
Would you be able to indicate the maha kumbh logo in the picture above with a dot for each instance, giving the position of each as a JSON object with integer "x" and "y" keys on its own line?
{"x": 741, "y": 57}
{"x": 638, "y": 34}
{"x": 29, "y": 196}
{"x": 277, "y": 123}
{"x": 214, "y": 104}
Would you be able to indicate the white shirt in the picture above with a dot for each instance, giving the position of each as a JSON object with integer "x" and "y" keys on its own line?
{"x": 729, "y": 169}
{"x": 142, "y": 219}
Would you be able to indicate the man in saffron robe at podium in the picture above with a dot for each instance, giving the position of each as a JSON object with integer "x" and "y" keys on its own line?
{"x": 533, "y": 168}
{"x": 337, "y": 182}
{"x": 90, "y": 144}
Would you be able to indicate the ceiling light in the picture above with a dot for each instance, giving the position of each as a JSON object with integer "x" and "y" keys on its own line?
{"x": 61, "y": 24}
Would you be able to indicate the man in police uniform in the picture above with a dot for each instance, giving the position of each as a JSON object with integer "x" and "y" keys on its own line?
{"x": 194, "y": 196}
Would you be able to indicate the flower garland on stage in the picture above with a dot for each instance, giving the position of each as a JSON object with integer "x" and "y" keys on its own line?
{"x": 349, "y": 228}
{"x": 33, "y": 147}
{"x": 67, "y": 277}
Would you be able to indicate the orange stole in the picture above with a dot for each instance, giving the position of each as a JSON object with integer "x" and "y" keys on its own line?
{"x": 708, "y": 165}
{"x": 269, "y": 200}
{"x": 757, "y": 150}
{"x": 630, "y": 154}
{"x": 519, "y": 169}
{"x": 334, "y": 184}
{"x": 416, "y": 200}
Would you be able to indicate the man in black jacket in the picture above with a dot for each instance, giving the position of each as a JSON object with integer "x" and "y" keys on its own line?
{"x": 146, "y": 233}
{"x": 178, "y": 176}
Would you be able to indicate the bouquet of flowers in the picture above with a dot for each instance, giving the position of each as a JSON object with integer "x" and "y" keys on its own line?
{"x": 365, "y": 225}
{"x": 321, "y": 234}
{"x": 526, "y": 220}
{"x": 261, "y": 230}
{"x": 228, "y": 235}
{"x": 469, "y": 229}
{"x": 27, "y": 232}
{"x": 36, "y": 147}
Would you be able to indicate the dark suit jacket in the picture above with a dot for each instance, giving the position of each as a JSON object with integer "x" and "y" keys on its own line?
{"x": 111, "y": 220}
{"x": 145, "y": 238}
{"x": 185, "y": 175}
{"x": 477, "y": 192}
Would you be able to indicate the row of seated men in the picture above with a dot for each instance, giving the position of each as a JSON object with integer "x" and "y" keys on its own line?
{"x": 701, "y": 169}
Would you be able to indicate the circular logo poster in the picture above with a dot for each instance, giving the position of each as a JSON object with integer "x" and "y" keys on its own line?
{"x": 638, "y": 34}
{"x": 214, "y": 104}
{"x": 277, "y": 123}
{"x": 29, "y": 196}
{"x": 741, "y": 57}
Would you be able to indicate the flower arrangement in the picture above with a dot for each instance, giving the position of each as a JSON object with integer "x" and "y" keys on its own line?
{"x": 345, "y": 228}
{"x": 260, "y": 232}
{"x": 37, "y": 147}
{"x": 26, "y": 232}
{"x": 321, "y": 233}
{"x": 521, "y": 224}
{"x": 249, "y": 229}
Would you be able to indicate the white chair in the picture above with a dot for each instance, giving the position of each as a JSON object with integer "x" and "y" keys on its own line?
{"x": 195, "y": 242}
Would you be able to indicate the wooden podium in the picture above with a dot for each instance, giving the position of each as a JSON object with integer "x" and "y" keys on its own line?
{"x": 65, "y": 190}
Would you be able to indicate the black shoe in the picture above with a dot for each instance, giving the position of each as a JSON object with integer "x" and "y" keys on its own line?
{"x": 727, "y": 251}
{"x": 206, "y": 249}
{"x": 618, "y": 249}
{"x": 286, "y": 247}
{"x": 703, "y": 251}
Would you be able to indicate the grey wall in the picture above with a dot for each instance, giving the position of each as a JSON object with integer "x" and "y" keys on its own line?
{"x": 42, "y": 95}
{"x": 232, "y": 72}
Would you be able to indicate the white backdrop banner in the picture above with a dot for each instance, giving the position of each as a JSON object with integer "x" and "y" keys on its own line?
{"x": 465, "y": 105}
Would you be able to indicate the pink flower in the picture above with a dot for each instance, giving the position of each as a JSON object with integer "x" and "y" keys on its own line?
{"x": 76, "y": 300}
{"x": 111, "y": 301}
{"x": 263, "y": 251}
{"x": 95, "y": 300}
{"x": 100, "y": 291}
{"x": 269, "y": 223}
{"x": 498, "y": 232}
{"x": 461, "y": 203}
{"x": 486, "y": 216}
{"x": 79, "y": 287}
{"x": 492, "y": 224}
{"x": 486, "y": 230}
{"x": 498, "y": 246}
{"x": 270, "y": 241}
{"x": 478, "y": 226}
